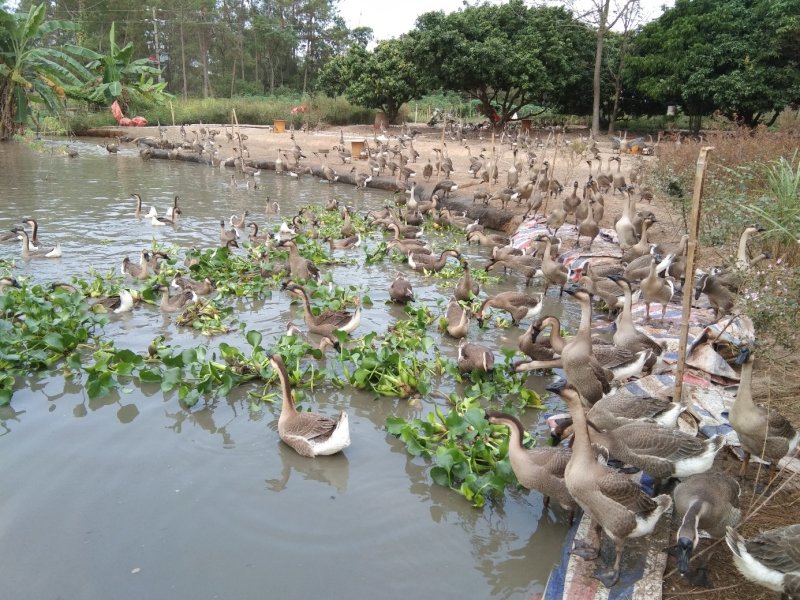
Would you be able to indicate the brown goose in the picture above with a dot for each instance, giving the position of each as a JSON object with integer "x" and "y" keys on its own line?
{"x": 226, "y": 235}
{"x": 139, "y": 271}
{"x": 528, "y": 344}
{"x": 554, "y": 272}
{"x": 174, "y": 303}
{"x": 328, "y": 321}
{"x": 581, "y": 367}
{"x": 238, "y": 221}
{"x": 28, "y": 252}
{"x": 520, "y": 306}
{"x": 354, "y": 241}
{"x": 588, "y": 227}
{"x": 762, "y": 432}
{"x": 626, "y": 335}
{"x": 299, "y": 266}
{"x": 457, "y": 319}
{"x": 119, "y": 303}
{"x": 347, "y": 229}
{"x": 425, "y": 262}
{"x": 466, "y": 288}
{"x": 656, "y": 289}
{"x": 539, "y": 468}
{"x": 623, "y": 407}
{"x": 615, "y": 503}
{"x": 201, "y": 288}
{"x": 309, "y": 434}
{"x": 255, "y": 237}
{"x": 34, "y": 242}
{"x": 488, "y": 239}
{"x": 641, "y": 247}
{"x": 708, "y": 502}
{"x": 771, "y": 558}
{"x": 474, "y": 357}
{"x": 400, "y": 290}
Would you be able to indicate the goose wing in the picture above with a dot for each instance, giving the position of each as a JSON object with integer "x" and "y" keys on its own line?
{"x": 660, "y": 443}
{"x": 777, "y": 549}
{"x": 337, "y": 318}
{"x": 311, "y": 426}
{"x": 779, "y": 426}
{"x": 625, "y": 491}
{"x": 609, "y": 355}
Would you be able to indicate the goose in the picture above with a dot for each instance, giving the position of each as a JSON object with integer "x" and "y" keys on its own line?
{"x": 474, "y": 357}
{"x": 120, "y": 303}
{"x": 770, "y": 559}
{"x": 329, "y": 175}
{"x": 34, "y": 242}
{"x": 602, "y": 288}
{"x": 173, "y": 208}
{"x": 168, "y": 220}
{"x": 626, "y": 232}
{"x": 201, "y": 288}
{"x": 272, "y": 207}
{"x": 7, "y": 282}
{"x": 555, "y": 219}
{"x": 328, "y": 321}
{"x": 660, "y": 451}
{"x": 347, "y": 228}
{"x": 425, "y": 262}
{"x": 554, "y": 272}
{"x": 28, "y": 254}
{"x": 641, "y": 247}
{"x": 466, "y": 288}
{"x": 139, "y": 271}
{"x": 254, "y": 236}
{"x": 112, "y": 148}
{"x": 742, "y": 261}
{"x": 427, "y": 171}
{"x": 622, "y": 407}
{"x": 571, "y": 202}
{"x": 707, "y": 502}
{"x": 237, "y": 221}
{"x": 639, "y": 268}
{"x": 293, "y": 330}
{"x": 457, "y": 319}
{"x": 226, "y": 235}
{"x": 534, "y": 349}
{"x": 299, "y": 266}
{"x": 588, "y": 227}
{"x": 174, "y": 303}
{"x": 656, "y": 289}
{"x": 405, "y": 231}
{"x": 409, "y": 246}
{"x": 582, "y": 369}
{"x": 763, "y": 432}
{"x": 528, "y": 268}
{"x": 400, "y": 290}
{"x": 354, "y": 241}
{"x": 444, "y": 188}
{"x": 518, "y": 304}
{"x": 308, "y": 433}
{"x": 539, "y": 468}
{"x": 627, "y": 335}
{"x": 615, "y": 503}
{"x": 153, "y": 261}
{"x": 488, "y": 239}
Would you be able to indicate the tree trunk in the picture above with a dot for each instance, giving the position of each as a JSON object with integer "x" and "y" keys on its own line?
{"x": 183, "y": 61}
{"x": 598, "y": 64}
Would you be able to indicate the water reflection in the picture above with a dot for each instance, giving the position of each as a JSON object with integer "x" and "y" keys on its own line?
{"x": 333, "y": 470}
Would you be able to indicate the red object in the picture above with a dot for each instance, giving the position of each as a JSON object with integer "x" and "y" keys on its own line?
{"x": 124, "y": 121}
{"x": 300, "y": 109}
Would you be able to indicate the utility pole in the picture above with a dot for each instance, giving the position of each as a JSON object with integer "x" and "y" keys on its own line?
{"x": 158, "y": 50}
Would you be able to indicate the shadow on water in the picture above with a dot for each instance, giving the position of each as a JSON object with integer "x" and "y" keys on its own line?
{"x": 129, "y": 495}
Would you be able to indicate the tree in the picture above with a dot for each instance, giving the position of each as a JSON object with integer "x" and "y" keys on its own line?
{"x": 31, "y": 71}
{"x": 386, "y": 78}
{"x": 505, "y": 56}
{"x": 739, "y": 57}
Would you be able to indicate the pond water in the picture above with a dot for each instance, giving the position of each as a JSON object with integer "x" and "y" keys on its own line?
{"x": 133, "y": 496}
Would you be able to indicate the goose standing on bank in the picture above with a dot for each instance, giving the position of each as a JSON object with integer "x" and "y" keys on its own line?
{"x": 707, "y": 502}
{"x": 763, "y": 432}
{"x": 615, "y": 503}
{"x": 538, "y": 468}
{"x": 308, "y": 433}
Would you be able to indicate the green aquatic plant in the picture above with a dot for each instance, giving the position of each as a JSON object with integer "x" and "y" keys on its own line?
{"x": 206, "y": 316}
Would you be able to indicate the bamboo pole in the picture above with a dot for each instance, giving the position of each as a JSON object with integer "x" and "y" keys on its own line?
{"x": 694, "y": 227}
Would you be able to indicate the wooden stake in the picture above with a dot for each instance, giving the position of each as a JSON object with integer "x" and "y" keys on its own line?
{"x": 694, "y": 227}
{"x": 172, "y": 110}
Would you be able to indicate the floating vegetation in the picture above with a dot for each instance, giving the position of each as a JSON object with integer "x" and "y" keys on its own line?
{"x": 206, "y": 316}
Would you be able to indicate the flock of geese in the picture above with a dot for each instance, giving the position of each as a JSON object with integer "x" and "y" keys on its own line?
{"x": 607, "y": 422}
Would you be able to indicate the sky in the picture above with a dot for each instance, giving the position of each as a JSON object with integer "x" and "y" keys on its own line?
{"x": 391, "y": 19}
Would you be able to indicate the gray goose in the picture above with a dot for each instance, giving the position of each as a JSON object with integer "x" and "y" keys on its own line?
{"x": 554, "y": 272}
{"x": 708, "y": 502}
{"x": 519, "y": 305}
{"x": 466, "y": 288}
{"x": 174, "y": 303}
{"x": 623, "y": 407}
{"x": 641, "y": 247}
{"x": 309, "y": 434}
{"x": 136, "y": 271}
{"x": 400, "y": 290}
{"x": 660, "y": 451}
{"x": 226, "y": 235}
{"x": 34, "y": 242}
{"x": 581, "y": 367}
{"x": 299, "y": 266}
{"x": 770, "y": 559}
{"x": 528, "y": 344}
{"x": 424, "y": 262}
{"x": 474, "y": 357}
{"x": 656, "y": 289}
{"x": 354, "y": 241}
{"x": 457, "y": 319}
{"x": 615, "y": 503}
{"x": 120, "y": 303}
{"x": 539, "y": 468}
{"x": 328, "y": 321}
{"x": 201, "y": 288}
{"x": 29, "y": 253}
{"x": 762, "y": 432}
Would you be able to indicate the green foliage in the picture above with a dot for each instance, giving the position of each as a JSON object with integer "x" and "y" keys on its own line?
{"x": 739, "y": 57}
{"x": 385, "y": 78}
{"x": 506, "y": 56}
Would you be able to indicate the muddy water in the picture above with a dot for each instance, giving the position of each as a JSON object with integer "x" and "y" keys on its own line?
{"x": 131, "y": 496}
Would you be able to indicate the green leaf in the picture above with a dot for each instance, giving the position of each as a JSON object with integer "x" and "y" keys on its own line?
{"x": 254, "y": 338}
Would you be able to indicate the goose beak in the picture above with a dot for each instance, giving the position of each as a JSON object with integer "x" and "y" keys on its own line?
{"x": 557, "y": 386}
{"x": 684, "y": 551}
